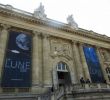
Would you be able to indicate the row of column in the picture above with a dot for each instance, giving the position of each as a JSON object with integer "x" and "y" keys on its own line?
{"x": 41, "y": 56}
{"x": 80, "y": 61}
{"x": 40, "y": 63}
{"x": 81, "y": 64}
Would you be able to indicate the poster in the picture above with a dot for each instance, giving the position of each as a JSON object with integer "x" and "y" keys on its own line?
{"x": 17, "y": 64}
{"x": 93, "y": 64}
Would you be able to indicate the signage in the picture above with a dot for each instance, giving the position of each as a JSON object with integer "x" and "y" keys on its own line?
{"x": 17, "y": 64}
{"x": 93, "y": 64}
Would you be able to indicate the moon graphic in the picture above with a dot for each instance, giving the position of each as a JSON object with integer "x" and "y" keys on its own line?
{"x": 22, "y": 41}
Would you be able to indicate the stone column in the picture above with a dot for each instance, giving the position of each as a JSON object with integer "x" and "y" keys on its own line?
{"x": 47, "y": 74}
{"x": 102, "y": 65}
{"x": 77, "y": 61}
{"x": 84, "y": 63}
{"x": 3, "y": 43}
{"x": 35, "y": 60}
{"x": 73, "y": 73}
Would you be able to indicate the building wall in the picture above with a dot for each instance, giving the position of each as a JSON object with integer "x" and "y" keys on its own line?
{"x": 51, "y": 45}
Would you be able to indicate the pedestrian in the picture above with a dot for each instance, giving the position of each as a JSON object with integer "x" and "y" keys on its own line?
{"x": 87, "y": 81}
{"x": 105, "y": 81}
{"x": 82, "y": 81}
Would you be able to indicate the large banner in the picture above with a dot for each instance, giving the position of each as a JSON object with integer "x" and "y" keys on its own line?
{"x": 17, "y": 64}
{"x": 93, "y": 64}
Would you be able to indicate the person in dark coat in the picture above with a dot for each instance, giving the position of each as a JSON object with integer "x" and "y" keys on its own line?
{"x": 105, "y": 81}
{"x": 82, "y": 81}
{"x": 87, "y": 81}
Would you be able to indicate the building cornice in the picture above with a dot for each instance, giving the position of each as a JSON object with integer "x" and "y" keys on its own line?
{"x": 28, "y": 17}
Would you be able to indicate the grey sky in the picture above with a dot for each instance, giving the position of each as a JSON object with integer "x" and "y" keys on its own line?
{"x": 89, "y": 14}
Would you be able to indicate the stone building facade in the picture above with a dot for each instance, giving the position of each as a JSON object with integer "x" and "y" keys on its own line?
{"x": 58, "y": 60}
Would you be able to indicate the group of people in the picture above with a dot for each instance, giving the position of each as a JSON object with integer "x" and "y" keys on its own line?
{"x": 82, "y": 81}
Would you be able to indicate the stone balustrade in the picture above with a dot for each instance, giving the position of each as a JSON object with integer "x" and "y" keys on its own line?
{"x": 92, "y": 87}
{"x": 59, "y": 93}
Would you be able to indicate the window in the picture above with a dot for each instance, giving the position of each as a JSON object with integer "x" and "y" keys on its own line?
{"x": 61, "y": 66}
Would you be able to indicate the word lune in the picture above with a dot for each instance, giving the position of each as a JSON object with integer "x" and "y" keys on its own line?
{"x": 23, "y": 66}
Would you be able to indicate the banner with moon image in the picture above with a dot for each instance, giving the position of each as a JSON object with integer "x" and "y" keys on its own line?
{"x": 17, "y": 64}
{"x": 93, "y": 64}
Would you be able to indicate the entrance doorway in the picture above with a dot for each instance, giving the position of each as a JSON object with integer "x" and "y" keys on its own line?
{"x": 63, "y": 78}
{"x": 63, "y": 74}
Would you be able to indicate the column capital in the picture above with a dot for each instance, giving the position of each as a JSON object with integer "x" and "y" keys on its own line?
{"x": 45, "y": 35}
{"x": 36, "y": 33}
{"x": 97, "y": 47}
{"x": 5, "y": 26}
{"x": 81, "y": 43}
{"x": 74, "y": 42}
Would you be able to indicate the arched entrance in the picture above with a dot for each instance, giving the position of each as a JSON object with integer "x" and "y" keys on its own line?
{"x": 63, "y": 74}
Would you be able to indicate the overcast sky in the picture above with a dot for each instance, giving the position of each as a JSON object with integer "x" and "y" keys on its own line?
{"x": 88, "y": 14}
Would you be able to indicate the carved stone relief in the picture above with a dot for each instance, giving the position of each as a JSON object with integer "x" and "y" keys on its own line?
{"x": 107, "y": 69}
{"x": 60, "y": 48}
{"x": 105, "y": 55}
